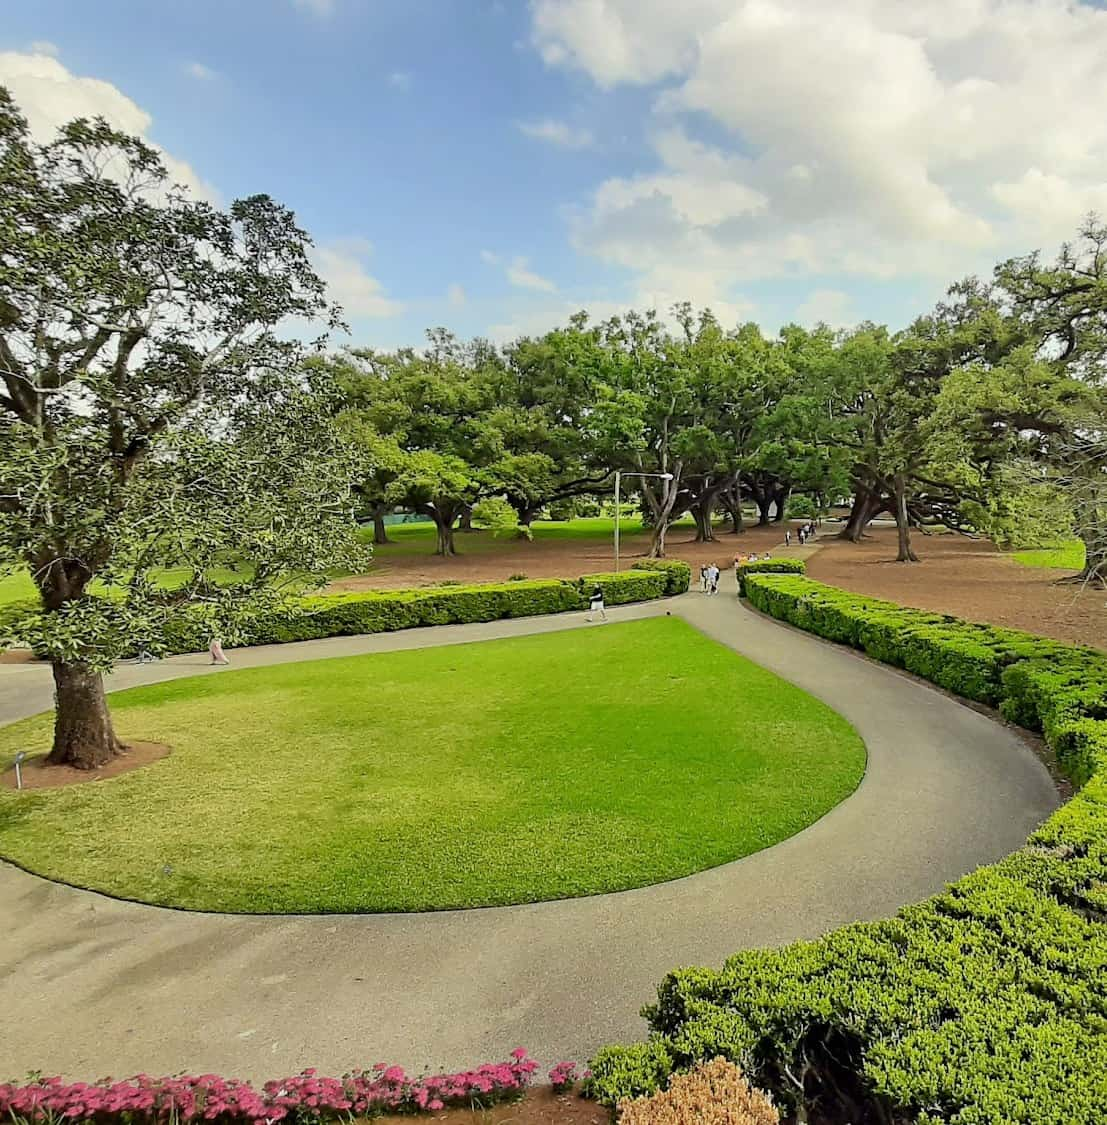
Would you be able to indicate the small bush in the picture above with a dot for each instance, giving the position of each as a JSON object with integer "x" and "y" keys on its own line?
{"x": 712, "y": 1094}
{"x": 800, "y": 508}
{"x": 678, "y": 574}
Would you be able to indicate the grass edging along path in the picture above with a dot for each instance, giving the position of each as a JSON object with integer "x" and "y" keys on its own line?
{"x": 507, "y": 771}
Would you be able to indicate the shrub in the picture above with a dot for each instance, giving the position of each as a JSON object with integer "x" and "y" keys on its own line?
{"x": 800, "y": 508}
{"x": 678, "y": 575}
{"x": 986, "y": 1004}
{"x": 712, "y": 1094}
{"x": 305, "y": 1097}
{"x": 768, "y": 566}
{"x": 626, "y": 586}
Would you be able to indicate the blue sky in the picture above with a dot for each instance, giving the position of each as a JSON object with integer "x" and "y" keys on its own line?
{"x": 492, "y": 165}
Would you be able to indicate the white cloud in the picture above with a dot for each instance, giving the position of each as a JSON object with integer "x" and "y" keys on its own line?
{"x": 341, "y": 264}
{"x": 456, "y": 296}
{"x": 320, "y": 8}
{"x": 557, "y": 133}
{"x": 825, "y": 306}
{"x": 44, "y": 47}
{"x": 200, "y": 72}
{"x": 522, "y": 277}
{"x": 400, "y": 80}
{"x": 50, "y": 96}
{"x": 518, "y": 272}
{"x": 900, "y": 138}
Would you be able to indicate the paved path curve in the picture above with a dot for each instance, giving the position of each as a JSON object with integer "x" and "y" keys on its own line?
{"x": 91, "y": 986}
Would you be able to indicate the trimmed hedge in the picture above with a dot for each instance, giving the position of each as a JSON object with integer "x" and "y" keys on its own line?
{"x": 626, "y": 586}
{"x": 984, "y": 1005}
{"x": 678, "y": 574}
{"x": 768, "y": 566}
{"x": 381, "y": 611}
{"x": 342, "y": 615}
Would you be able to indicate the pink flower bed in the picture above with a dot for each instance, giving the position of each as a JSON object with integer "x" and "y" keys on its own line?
{"x": 207, "y": 1097}
{"x": 563, "y": 1077}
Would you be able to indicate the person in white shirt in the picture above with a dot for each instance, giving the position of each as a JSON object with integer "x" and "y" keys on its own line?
{"x": 712, "y": 579}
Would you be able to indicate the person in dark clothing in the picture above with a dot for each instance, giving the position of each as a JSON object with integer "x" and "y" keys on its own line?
{"x": 595, "y": 604}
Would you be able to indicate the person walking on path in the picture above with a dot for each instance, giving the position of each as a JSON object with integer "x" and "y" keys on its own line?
{"x": 703, "y": 578}
{"x": 215, "y": 651}
{"x": 595, "y": 604}
{"x": 713, "y": 579}
{"x": 787, "y": 537}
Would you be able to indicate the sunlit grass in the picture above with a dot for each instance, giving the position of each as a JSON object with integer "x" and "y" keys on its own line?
{"x": 1068, "y": 556}
{"x": 509, "y": 771}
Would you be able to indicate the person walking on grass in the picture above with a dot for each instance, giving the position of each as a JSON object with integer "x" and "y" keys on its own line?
{"x": 215, "y": 651}
{"x": 595, "y": 604}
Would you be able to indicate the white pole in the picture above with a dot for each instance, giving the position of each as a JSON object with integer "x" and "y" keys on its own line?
{"x": 617, "y": 502}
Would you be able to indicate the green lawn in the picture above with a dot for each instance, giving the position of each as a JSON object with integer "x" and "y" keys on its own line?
{"x": 509, "y": 771}
{"x": 1069, "y": 556}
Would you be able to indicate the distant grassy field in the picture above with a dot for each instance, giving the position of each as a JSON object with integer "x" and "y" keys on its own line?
{"x": 471, "y": 775}
{"x": 1069, "y": 556}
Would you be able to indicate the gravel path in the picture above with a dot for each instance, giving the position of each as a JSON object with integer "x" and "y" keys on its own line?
{"x": 90, "y": 986}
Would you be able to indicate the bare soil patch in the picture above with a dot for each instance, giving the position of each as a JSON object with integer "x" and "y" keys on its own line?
{"x": 479, "y": 560}
{"x": 540, "y": 1107}
{"x": 968, "y": 578}
{"x": 38, "y": 775}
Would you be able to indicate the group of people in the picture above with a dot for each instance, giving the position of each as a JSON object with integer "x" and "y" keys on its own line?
{"x": 709, "y": 578}
{"x": 803, "y": 533}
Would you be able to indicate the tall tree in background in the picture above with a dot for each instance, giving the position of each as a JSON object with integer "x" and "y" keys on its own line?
{"x": 149, "y": 412}
{"x": 1063, "y": 307}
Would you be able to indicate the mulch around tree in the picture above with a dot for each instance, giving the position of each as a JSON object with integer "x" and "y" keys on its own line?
{"x": 38, "y": 775}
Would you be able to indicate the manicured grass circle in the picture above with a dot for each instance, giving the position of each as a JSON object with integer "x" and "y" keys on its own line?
{"x": 472, "y": 775}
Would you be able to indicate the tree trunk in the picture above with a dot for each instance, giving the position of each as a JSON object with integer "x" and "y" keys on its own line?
{"x": 380, "y": 530}
{"x": 903, "y": 527}
{"x": 732, "y": 500}
{"x": 764, "y": 507}
{"x": 466, "y": 523}
{"x": 866, "y": 506}
{"x": 445, "y": 528}
{"x": 83, "y": 733}
{"x": 526, "y": 516}
{"x": 701, "y": 513}
{"x": 781, "y": 500}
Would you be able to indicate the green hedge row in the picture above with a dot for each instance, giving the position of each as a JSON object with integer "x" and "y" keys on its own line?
{"x": 341, "y": 615}
{"x": 768, "y": 566}
{"x": 626, "y": 586}
{"x": 678, "y": 574}
{"x": 985, "y": 1005}
{"x": 336, "y": 615}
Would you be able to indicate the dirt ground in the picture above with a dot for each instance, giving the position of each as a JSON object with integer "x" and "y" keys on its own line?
{"x": 539, "y": 1107}
{"x": 480, "y": 561}
{"x": 969, "y": 578}
{"x": 38, "y": 775}
{"x": 965, "y": 577}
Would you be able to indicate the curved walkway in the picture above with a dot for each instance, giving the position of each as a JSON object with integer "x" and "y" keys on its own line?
{"x": 90, "y": 986}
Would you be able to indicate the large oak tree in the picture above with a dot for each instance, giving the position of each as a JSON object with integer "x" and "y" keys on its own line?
{"x": 150, "y": 412}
